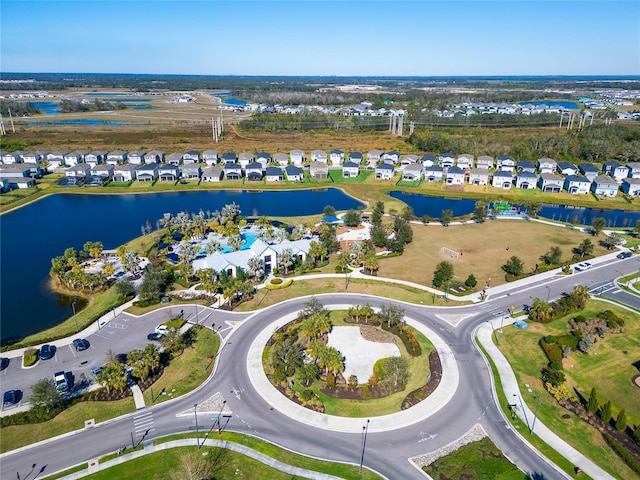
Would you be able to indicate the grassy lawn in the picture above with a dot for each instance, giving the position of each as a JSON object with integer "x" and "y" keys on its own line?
{"x": 336, "y": 176}
{"x": 475, "y": 461}
{"x": 607, "y": 367}
{"x": 71, "y": 419}
{"x": 483, "y": 247}
{"x": 99, "y": 303}
{"x": 187, "y": 371}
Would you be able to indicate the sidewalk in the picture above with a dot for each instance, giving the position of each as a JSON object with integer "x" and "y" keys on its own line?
{"x": 511, "y": 390}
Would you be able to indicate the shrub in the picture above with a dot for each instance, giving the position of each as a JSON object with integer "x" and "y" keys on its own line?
{"x": 554, "y": 377}
{"x": 559, "y": 392}
{"x": 276, "y": 281}
{"x": 30, "y": 357}
{"x": 330, "y": 380}
{"x": 419, "y": 395}
{"x": 553, "y": 351}
{"x": 550, "y": 339}
{"x": 306, "y": 395}
{"x": 555, "y": 366}
{"x": 592, "y": 403}
{"x": 584, "y": 345}
{"x": 605, "y": 413}
{"x": 621, "y": 421}
{"x": 580, "y": 319}
{"x": 628, "y": 458}
{"x": 569, "y": 340}
{"x": 271, "y": 286}
{"x": 278, "y": 376}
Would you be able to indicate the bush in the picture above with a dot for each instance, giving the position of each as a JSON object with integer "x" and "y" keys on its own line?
{"x": 306, "y": 395}
{"x": 147, "y": 303}
{"x": 550, "y": 339}
{"x": 555, "y": 366}
{"x": 276, "y": 281}
{"x": 569, "y": 340}
{"x": 270, "y": 286}
{"x": 623, "y": 453}
{"x": 553, "y": 351}
{"x": 554, "y": 377}
{"x": 580, "y": 319}
{"x": 30, "y": 357}
{"x": 621, "y": 421}
{"x": 584, "y": 345}
{"x": 560, "y": 392}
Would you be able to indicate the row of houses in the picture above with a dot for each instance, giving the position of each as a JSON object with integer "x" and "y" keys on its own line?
{"x": 601, "y": 185}
{"x": 468, "y": 109}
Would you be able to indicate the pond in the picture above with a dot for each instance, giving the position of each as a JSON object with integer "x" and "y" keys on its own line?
{"x": 433, "y": 206}
{"x": 32, "y": 235}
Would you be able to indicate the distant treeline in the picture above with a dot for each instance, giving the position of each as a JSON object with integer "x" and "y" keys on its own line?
{"x": 306, "y": 122}
{"x": 72, "y": 106}
{"x": 18, "y": 109}
{"x": 597, "y": 143}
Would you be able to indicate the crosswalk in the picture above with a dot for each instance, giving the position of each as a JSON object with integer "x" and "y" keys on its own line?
{"x": 493, "y": 311}
{"x": 143, "y": 424}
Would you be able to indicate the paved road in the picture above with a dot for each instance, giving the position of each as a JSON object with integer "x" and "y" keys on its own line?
{"x": 386, "y": 452}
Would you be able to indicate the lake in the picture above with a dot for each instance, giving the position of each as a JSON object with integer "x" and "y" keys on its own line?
{"x": 433, "y": 206}
{"x": 32, "y": 235}
{"x": 555, "y": 103}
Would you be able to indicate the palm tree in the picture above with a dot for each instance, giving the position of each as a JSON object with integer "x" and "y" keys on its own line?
{"x": 333, "y": 361}
{"x": 131, "y": 262}
{"x": 356, "y": 249}
{"x": 366, "y": 310}
{"x": 317, "y": 250}
{"x": 213, "y": 246}
{"x": 298, "y": 232}
{"x": 235, "y": 242}
{"x": 151, "y": 357}
{"x": 254, "y": 266}
{"x": 371, "y": 262}
{"x": 286, "y": 260}
{"x": 343, "y": 260}
{"x": 314, "y": 350}
{"x": 187, "y": 252}
{"x": 540, "y": 311}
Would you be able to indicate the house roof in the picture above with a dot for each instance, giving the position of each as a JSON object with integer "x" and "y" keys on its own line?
{"x": 148, "y": 167}
{"x": 175, "y": 156}
{"x": 447, "y": 155}
{"x": 293, "y": 170}
{"x": 525, "y": 164}
{"x": 167, "y": 167}
{"x": 455, "y": 171}
{"x": 137, "y": 153}
{"x": 348, "y": 164}
{"x": 374, "y": 153}
{"x": 550, "y": 161}
{"x": 254, "y": 166}
{"x": 281, "y": 157}
{"x": 605, "y": 180}
{"x": 588, "y": 167}
{"x": 465, "y": 156}
{"x": 263, "y": 155}
{"x": 385, "y": 166}
{"x": 479, "y": 172}
{"x": 337, "y": 152}
{"x": 392, "y": 153}
{"x": 576, "y": 179}
{"x": 316, "y": 153}
{"x": 549, "y": 177}
{"x": 526, "y": 175}
{"x": 434, "y": 168}
{"x": 192, "y": 152}
{"x": 428, "y": 157}
{"x": 190, "y": 166}
{"x": 127, "y": 167}
{"x": 229, "y": 156}
{"x": 315, "y": 166}
{"x": 273, "y": 171}
{"x": 245, "y": 156}
{"x": 484, "y": 159}
{"x": 414, "y": 167}
{"x": 565, "y": 165}
{"x": 355, "y": 155}
{"x": 632, "y": 181}
{"x": 502, "y": 173}
{"x": 233, "y": 166}
{"x": 296, "y": 151}
{"x": 210, "y": 154}
{"x": 212, "y": 172}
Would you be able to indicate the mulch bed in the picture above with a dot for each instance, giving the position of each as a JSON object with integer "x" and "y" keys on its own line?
{"x": 362, "y": 392}
{"x": 415, "y": 397}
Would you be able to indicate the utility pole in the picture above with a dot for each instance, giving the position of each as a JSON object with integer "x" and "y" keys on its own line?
{"x": 401, "y": 120}
{"x": 561, "y": 116}
{"x": 2, "y": 130}
{"x": 393, "y": 124}
{"x": 13, "y": 129}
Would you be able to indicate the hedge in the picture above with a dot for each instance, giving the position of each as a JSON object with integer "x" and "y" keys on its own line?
{"x": 271, "y": 286}
{"x": 553, "y": 351}
{"x": 623, "y": 453}
{"x": 276, "y": 281}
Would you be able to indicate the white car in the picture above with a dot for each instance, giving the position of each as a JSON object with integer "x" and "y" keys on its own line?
{"x": 162, "y": 329}
{"x": 581, "y": 267}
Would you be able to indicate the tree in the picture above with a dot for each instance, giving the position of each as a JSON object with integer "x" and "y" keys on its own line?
{"x": 396, "y": 371}
{"x": 317, "y": 251}
{"x": 605, "y": 414}
{"x": 356, "y": 249}
{"x": 235, "y": 242}
{"x": 131, "y": 262}
{"x": 621, "y": 421}
{"x": 298, "y": 232}
{"x": 597, "y": 226}
{"x": 579, "y": 296}
{"x": 352, "y": 218}
{"x": 442, "y": 274}
{"x": 540, "y": 311}
{"x": 514, "y": 266}
{"x": 125, "y": 288}
{"x": 611, "y": 241}
{"x": 636, "y": 435}
{"x": 471, "y": 281}
{"x": 109, "y": 269}
{"x": 173, "y": 343}
{"x": 407, "y": 214}
{"x": 553, "y": 376}
{"x": 585, "y": 344}
{"x": 446, "y": 217}
{"x": 592, "y": 403}
{"x": 287, "y": 355}
{"x": 328, "y": 238}
{"x": 371, "y": 263}
{"x": 138, "y": 368}
{"x": 153, "y": 284}
{"x": 391, "y": 314}
{"x": 329, "y": 211}
{"x": 44, "y": 394}
{"x": 94, "y": 249}
{"x": 480, "y": 212}
{"x": 379, "y": 235}
{"x": 113, "y": 375}
{"x": 553, "y": 256}
{"x": 254, "y": 267}
{"x": 308, "y": 373}
{"x": 286, "y": 259}
{"x": 313, "y": 307}
{"x": 344, "y": 259}
{"x": 585, "y": 248}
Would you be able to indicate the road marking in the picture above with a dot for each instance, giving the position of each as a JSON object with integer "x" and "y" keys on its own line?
{"x": 143, "y": 423}
{"x": 616, "y": 291}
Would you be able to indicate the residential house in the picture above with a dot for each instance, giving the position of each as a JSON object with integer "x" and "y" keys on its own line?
{"x": 506, "y": 163}
{"x": 229, "y": 157}
{"x": 297, "y": 157}
{"x": 633, "y": 167}
{"x": 391, "y": 157}
{"x": 12, "y": 183}
{"x": 253, "y": 171}
{"x": 433, "y": 173}
{"x": 502, "y": 179}
{"x": 10, "y": 158}
{"x": 526, "y": 180}
{"x": 566, "y": 168}
{"x": 478, "y": 176}
{"x": 168, "y": 173}
{"x": 412, "y": 173}
{"x": 526, "y": 166}
{"x": 95, "y": 158}
{"x": 384, "y": 171}
{"x": 428, "y": 160}
{"x": 80, "y": 170}
{"x": 319, "y": 170}
{"x": 605, "y": 186}
{"x": 32, "y": 157}
{"x": 374, "y": 157}
{"x": 190, "y": 170}
{"x": 465, "y": 161}
{"x": 575, "y": 184}
{"x": 618, "y": 171}
{"x": 547, "y": 165}
{"x": 124, "y": 173}
{"x": 245, "y": 158}
{"x": 350, "y": 169}
{"x": 154, "y": 156}
{"x": 589, "y": 170}
{"x": 55, "y": 160}
{"x": 103, "y": 170}
{"x": 263, "y": 158}
{"x": 191, "y": 156}
{"x": 147, "y": 172}
{"x": 319, "y": 156}
{"x": 281, "y": 159}
{"x": 73, "y": 158}
{"x": 336, "y": 157}
{"x": 631, "y": 186}
{"x": 117, "y": 157}
{"x": 4, "y": 185}
{"x": 210, "y": 157}
{"x": 274, "y": 174}
{"x": 484, "y": 161}
{"x": 232, "y": 171}
{"x": 551, "y": 183}
{"x": 408, "y": 160}
{"x": 174, "y": 158}
{"x": 138, "y": 157}
{"x": 212, "y": 174}
{"x": 446, "y": 161}
{"x": 293, "y": 173}
{"x": 17, "y": 171}
{"x": 454, "y": 176}
{"x": 355, "y": 157}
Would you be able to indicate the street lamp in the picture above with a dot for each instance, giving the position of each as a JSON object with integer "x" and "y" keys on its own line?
{"x": 548, "y": 292}
{"x": 535, "y": 415}
{"x": 73, "y": 306}
{"x": 195, "y": 414}
{"x": 365, "y": 429}
{"x": 224, "y": 402}
{"x": 524, "y": 412}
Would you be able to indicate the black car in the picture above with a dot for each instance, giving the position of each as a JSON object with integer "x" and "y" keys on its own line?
{"x": 155, "y": 336}
{"x": 4, "y": 363}
{"x": 10, "y": 398}
{"x": 624, "y": 255}
{"x": 81, "y": 344}
{"x": 47, "y": 352}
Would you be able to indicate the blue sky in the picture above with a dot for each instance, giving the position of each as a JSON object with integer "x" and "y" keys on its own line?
{"x": 421, "y": 38}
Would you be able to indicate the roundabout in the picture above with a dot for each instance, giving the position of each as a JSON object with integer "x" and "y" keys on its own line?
{"x": 420, "y": 412}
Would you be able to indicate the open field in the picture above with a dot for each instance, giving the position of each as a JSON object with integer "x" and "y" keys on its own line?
{"x": 583, "y": 372}
{"x": 485, "y": 248}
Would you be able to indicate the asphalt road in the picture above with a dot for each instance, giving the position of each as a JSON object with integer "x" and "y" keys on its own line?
{"x": 386, "y": 452}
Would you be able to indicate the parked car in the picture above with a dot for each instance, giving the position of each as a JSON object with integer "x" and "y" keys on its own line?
{"x": 81, "y": 344}
{"x": 95, "y": 371}
{"x": 10, "y": 397}
{"x": 60, "y": 379}
{"x": 581, "y": 267}
{"x": 162, "y": 329}
{"x": 624, "y": 255}
{"x": 47, "y": 352}
{"x": 155, "y": 336}
{"x": 4, "y": 363}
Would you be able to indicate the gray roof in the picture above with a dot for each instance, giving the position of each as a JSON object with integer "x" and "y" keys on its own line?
{"x": 293, "y": 170}
{"x": 232, "y": 166}
{"x": 455, "y": 171}
{"x": 577, "y": 179}
{"x": 385, "y": 166}
{"x": 502, "y": 173}
{"x": 526, "y": 175}
{"x": 348, "y": 164}
{"x": 254, "y": 166}
{"x": 273, "y": 171}
{"x": 588, "y": 167}
{"x": 605, "y": 180}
